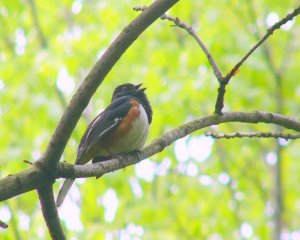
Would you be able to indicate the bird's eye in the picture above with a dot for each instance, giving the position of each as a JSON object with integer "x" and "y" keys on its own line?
{"x": 124, "y": 88}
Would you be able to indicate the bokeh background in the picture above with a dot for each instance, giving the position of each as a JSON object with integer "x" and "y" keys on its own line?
{"x": 198, "y": 188}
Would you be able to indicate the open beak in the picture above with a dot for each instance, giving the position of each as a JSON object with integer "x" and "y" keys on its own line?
{"x": 137, "y": 87}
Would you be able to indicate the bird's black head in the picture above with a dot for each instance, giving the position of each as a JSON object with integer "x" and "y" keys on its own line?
{"x": 135, "y": 91}
{"x": 126, "y": 89}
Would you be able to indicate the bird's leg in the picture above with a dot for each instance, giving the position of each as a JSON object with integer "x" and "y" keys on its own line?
{"x": 136, "y": 153}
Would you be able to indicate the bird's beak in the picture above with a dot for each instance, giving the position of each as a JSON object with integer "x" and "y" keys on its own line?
{"x": 137, "y": 87}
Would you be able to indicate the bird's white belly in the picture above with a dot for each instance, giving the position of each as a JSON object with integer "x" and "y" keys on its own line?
{"x": 135, "y": 138}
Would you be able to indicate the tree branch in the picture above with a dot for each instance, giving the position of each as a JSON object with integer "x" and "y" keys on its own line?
{"x": 97, "y": 74}
{"x": 55, "y": 148}
{"x": 34, "y": 177}
{"x": 50, "y": 213}
{"x": 253, "y": 135}
{"x": 223, "y": 81}
{"x": 43, "y": 173}
{"x": 269, "y": 32}
{"x": 16, "y": 184}
{"x": 99, "y": 169}
{"x": 191, "y": 31}
{"x": 222, "y": 87}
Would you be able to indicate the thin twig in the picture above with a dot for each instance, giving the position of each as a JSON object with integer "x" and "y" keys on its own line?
{"x": 285, "y": 136}
{"x": 221, "y": 79}
{"x": 222, "y": 88}
{"x": 269, "y": 32}
{"x": 191, "y": 31}
{"x": 28, "y": 162}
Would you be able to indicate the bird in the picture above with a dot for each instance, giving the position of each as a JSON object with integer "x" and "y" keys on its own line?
{"x": 120, "y": 129}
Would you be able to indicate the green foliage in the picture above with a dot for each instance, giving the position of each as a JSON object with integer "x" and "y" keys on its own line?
{"x": 228, "y": 194}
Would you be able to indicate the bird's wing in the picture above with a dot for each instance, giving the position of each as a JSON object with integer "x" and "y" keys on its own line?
{"x": 105, "y": 122}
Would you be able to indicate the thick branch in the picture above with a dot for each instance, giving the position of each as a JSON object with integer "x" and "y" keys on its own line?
{"x": 16, "y": 184}
{"x": 79, "y": 102}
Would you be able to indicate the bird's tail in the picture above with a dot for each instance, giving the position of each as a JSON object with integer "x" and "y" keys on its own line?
{"x": 63, "y": 191}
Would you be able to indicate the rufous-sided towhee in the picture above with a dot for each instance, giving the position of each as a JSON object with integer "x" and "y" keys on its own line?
{"x": 121, "y": 128}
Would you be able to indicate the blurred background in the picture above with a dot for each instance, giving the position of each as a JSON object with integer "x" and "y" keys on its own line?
{"x": 199, "y": 187}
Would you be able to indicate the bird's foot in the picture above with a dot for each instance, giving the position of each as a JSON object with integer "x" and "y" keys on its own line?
{"x": 136, "y": 153}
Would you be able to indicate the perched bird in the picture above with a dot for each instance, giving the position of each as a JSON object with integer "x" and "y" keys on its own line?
{"x": 121, "y": 128}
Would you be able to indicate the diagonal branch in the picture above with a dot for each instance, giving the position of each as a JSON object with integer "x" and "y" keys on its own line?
{"x": 48, "y": 163}
{"x": 191, "y": 31}
{"x": 97, "y": 74}
{"x": 34, "y": 177}
{"x": 269, "y": 32}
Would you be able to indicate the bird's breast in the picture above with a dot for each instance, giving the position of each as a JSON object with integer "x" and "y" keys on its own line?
{"x": 131, "y": 134}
